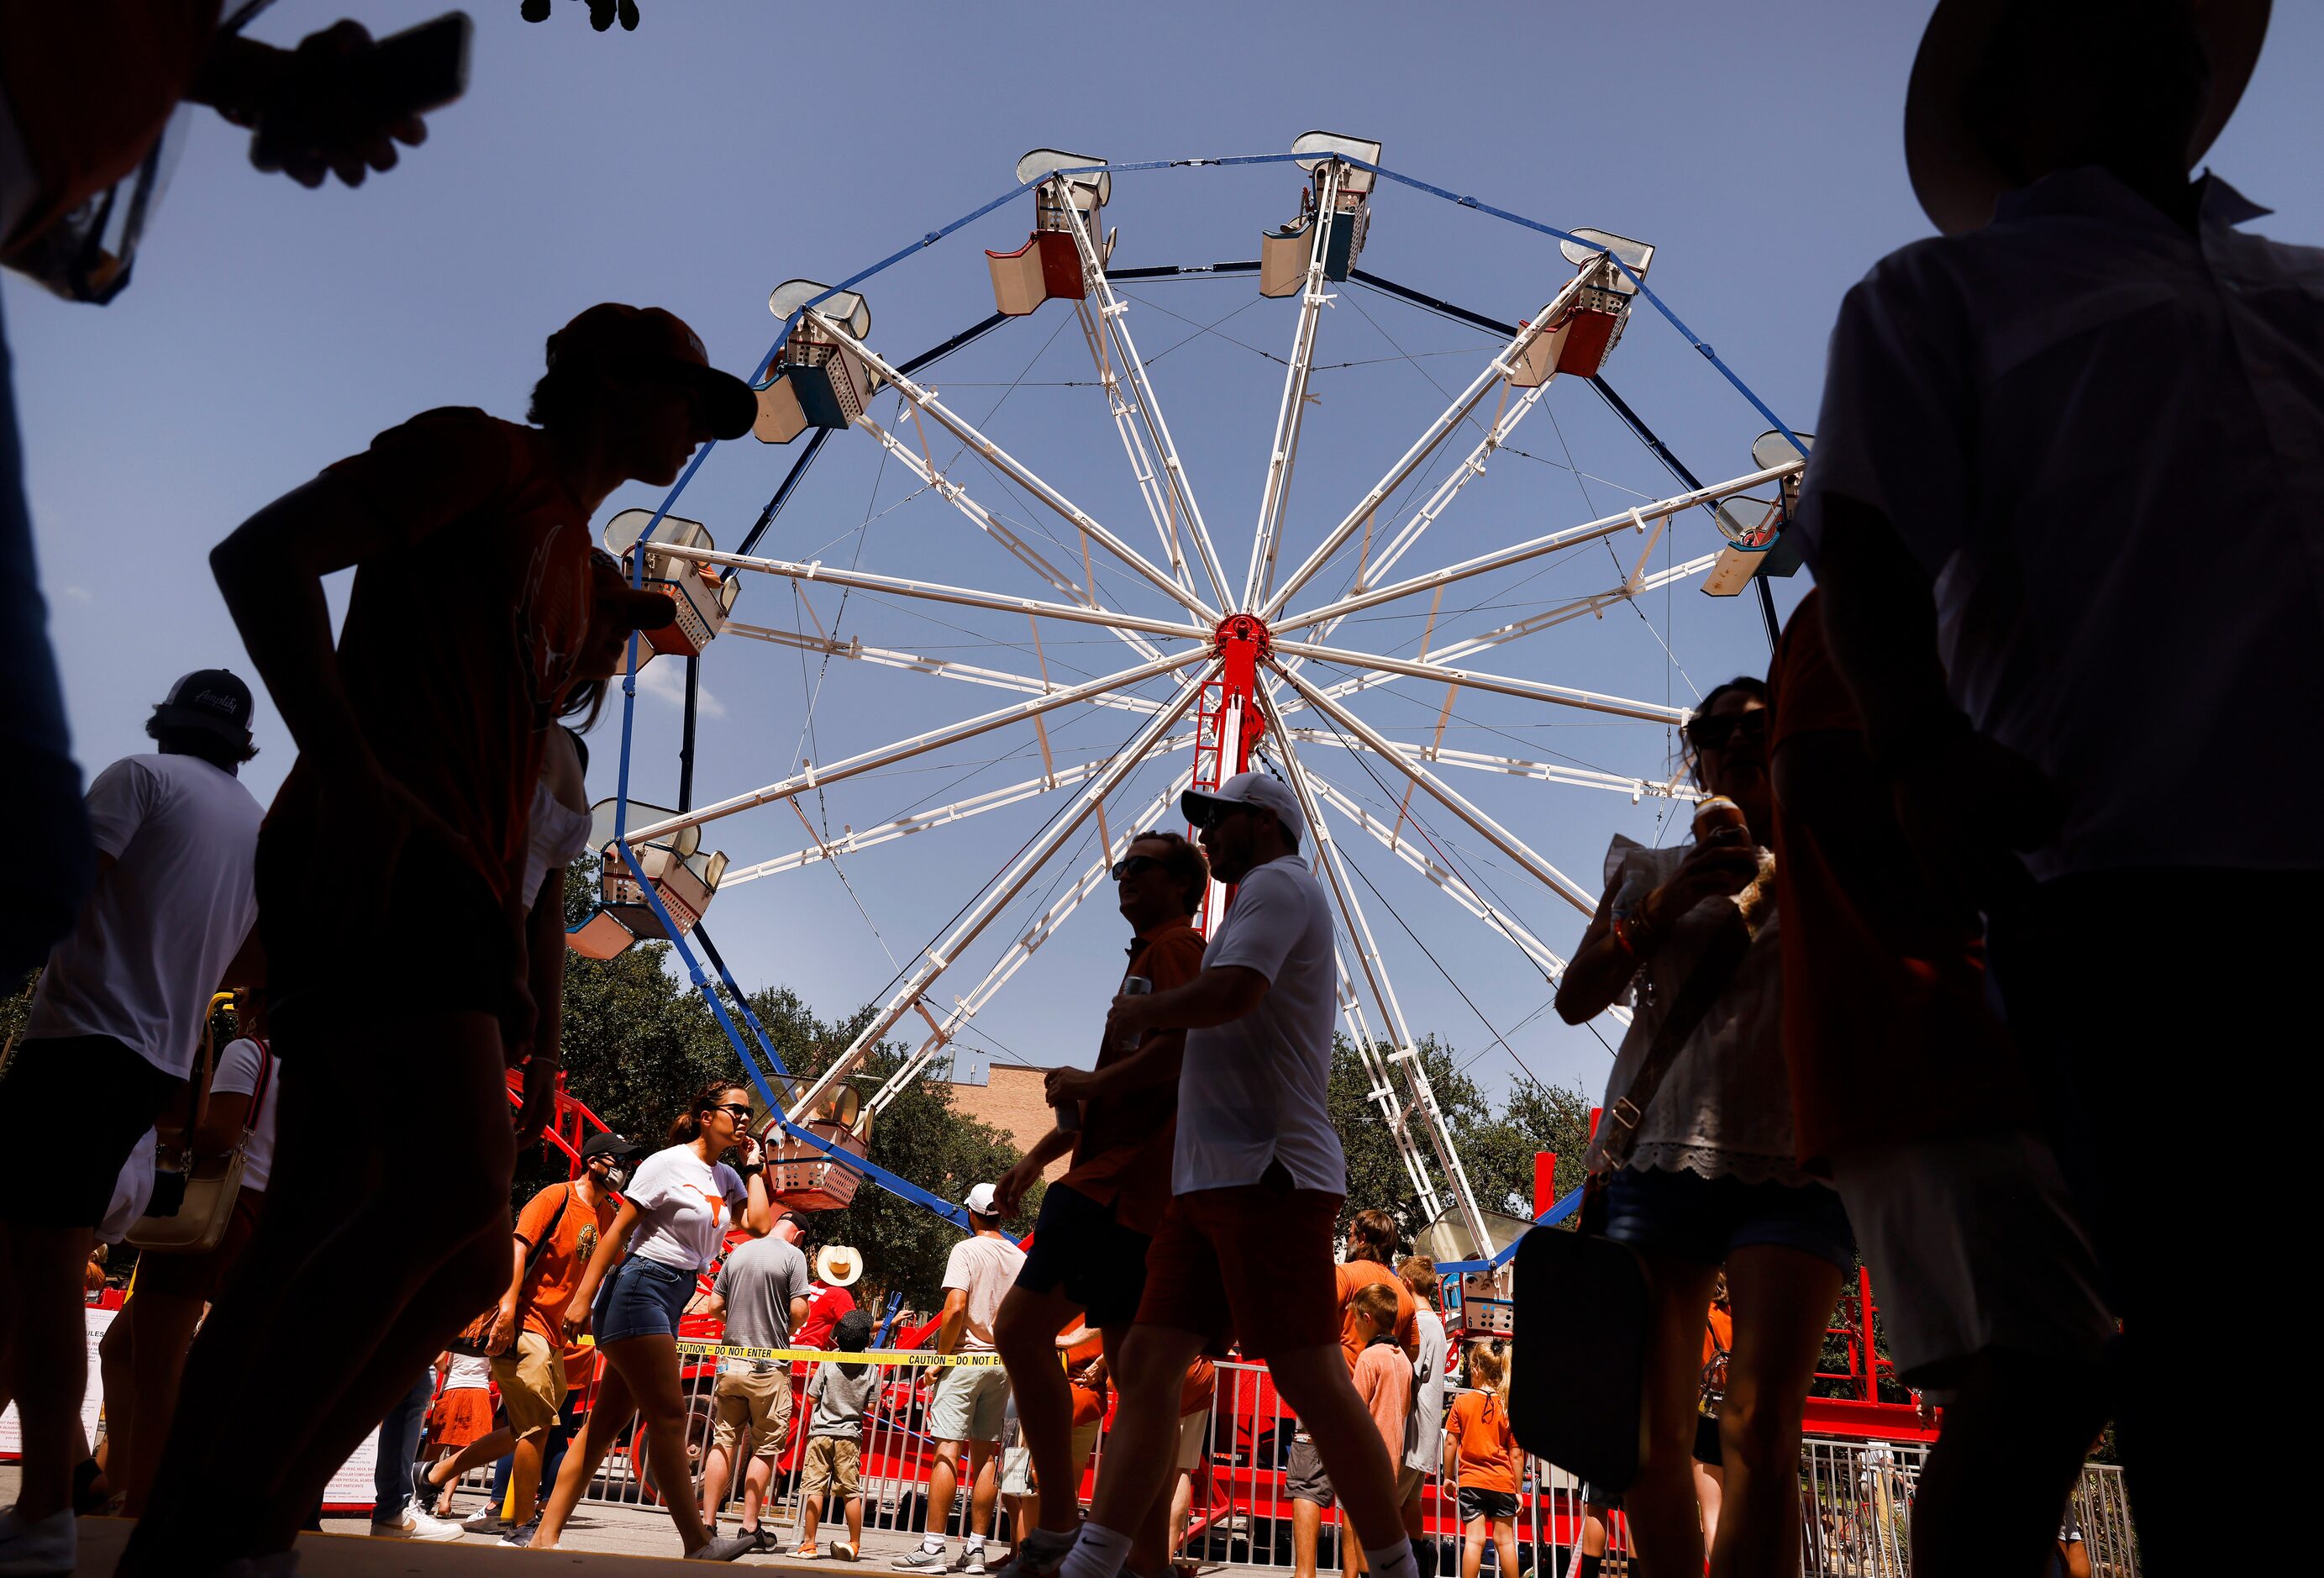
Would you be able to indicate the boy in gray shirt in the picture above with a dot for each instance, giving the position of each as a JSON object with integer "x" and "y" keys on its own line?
{"x": 841, "y": 1395}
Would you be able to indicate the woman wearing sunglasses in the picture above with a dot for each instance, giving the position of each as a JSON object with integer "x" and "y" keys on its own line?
{"x": 672, "y": 1219}
{"x": 1686, "y": 936}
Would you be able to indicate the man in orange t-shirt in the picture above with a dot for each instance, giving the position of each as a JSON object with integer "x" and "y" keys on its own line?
{"x": 1088, "y": 1254}
{"x": 557, "y": 1232}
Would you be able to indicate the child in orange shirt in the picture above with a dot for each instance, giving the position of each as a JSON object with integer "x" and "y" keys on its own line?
{"x": 1483, "y": 1457}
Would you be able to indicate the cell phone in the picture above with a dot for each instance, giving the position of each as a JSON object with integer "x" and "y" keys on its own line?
{"x": 421, "y": 68}
{"x": 408, "y": 73}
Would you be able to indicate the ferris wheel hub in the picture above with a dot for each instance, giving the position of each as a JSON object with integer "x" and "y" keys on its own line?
{"x": 1243, "y": 635}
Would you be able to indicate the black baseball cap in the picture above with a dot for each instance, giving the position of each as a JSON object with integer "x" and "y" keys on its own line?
{"x": 648, "y": 340}
{"x": 212, "y": 701}
{"x": 608, "y": 1144}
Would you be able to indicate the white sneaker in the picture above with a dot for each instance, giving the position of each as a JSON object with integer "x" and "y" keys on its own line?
{"x": 487, "y": 1520}
{"x": 417, "y": 1525}
{"x": 38, "y": 1550}
{"x": 922, "y": 1559}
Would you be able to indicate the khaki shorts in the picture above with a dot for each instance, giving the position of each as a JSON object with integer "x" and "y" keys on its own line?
{"x": 756, "y": 1401}
{"x": 1017, "y": 1461}
{"x": 531, "y": 1379}
{"x": 830, "y": 1464}
{"x": 969, "y": 1404}
{"x": 1192, "y": 1428}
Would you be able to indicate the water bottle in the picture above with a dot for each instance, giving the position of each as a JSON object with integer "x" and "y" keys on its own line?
{"x": 1069, "y": 1113}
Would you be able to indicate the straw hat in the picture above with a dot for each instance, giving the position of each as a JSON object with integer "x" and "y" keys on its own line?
{"x": 1953, "y": 176}
{"x": 837, "y": 1265}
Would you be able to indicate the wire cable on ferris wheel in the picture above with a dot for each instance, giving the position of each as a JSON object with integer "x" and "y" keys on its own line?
{"x": 821, "y": 372}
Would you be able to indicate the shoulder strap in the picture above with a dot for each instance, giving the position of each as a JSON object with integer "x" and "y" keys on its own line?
{"x": 258, "y": 1087}
{"x": 1712, "y": 972}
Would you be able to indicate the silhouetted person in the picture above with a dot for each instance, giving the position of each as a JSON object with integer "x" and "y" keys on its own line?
{"x": 2067, "y": 507}
{"x": 404, "y": 826}
{"x": 85, "y": 92}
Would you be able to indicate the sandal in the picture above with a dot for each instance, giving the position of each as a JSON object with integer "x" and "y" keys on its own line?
{"x": 842, "y": 1550}
{"x": 806, "y": 1550}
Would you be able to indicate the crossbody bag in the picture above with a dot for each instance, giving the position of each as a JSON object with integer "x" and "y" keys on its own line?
{"x": 192, "y": 1202}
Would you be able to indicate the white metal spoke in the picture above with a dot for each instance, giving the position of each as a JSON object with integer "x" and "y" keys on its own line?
{"x": 941, "y": 1035}
{"x": 814, "y": 777}
{"x": 937, "y": 592}
{"x": 1634, "y": 519}
{"x": 1452, "y": 800}
{"x": 855, "y": 840}
{"x": 1113, "y": 315}
{"x": 1476, "y": 680}
{"x": 939, "y": 956}
{"x": 942, "y": 668}
{"x": 1284, "y": 453}
{"x": 1423, "y": 1095}
{"x": 1495, "y": 371}
{"x": 926, "y": 401}
{"x": 1637, "y": 789}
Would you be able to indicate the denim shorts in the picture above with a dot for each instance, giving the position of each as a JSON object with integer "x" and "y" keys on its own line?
{"x": 1690, "y": 1217}
{"x": 641, "y": 1298}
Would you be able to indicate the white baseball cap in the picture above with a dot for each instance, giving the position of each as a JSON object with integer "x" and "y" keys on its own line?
{"x": 980, "y": 1200}
{"x": 1246, "y": 788}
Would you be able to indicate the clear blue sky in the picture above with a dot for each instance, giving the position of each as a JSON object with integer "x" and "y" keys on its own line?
{"x": 729, "y": 144}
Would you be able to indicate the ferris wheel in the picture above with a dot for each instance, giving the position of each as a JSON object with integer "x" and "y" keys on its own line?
{"x": 1231, "y": 656}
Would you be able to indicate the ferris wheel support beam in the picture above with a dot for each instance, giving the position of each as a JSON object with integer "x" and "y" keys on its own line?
{"x": 1008, "y": 465}
{"x": 1380, "y": 1088}
{"x": 1496, "y": 371}
{"x": 939, "y": 957}
{"x": 1477, "y": 679}
{"x": 941, "y": 1035}
{"x": 937, "y": 592}
{"x": 1450, "y": 798}
{"x": 1634, "y": 519}
{"x": 1114, "y": 316}
{"x": 1421, "y": 1094}
{"x": 1283, "y": 455}
{"x": 854, "y": 841}
{"x": 856, "y": 651}
{"x": 814, "y": 777}
{"x": 1637, "y": 789}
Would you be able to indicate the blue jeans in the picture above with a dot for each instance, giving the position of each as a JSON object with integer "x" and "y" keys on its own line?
{"x": 399, "y": 1448}
{"x": 39, "y": 791}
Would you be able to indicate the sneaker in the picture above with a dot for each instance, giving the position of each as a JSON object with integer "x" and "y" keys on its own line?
{"x": 45, "y": 1549}
{"x": 417, "y": 1525}
{"x": 723, "y": 1549}
{"x": 922, "y": 1559}
{"x": 518, "y": 1537}
{"x": 844, "y": 1551}
{"x": 488, "y": 1520}
{"x": 1035, "y": 1558}
{"x": 768, "y": 1543}
{"x": 805, "y": 1551}
{"x": 424, "y": 1491}
{"x": 971, "y": 1560}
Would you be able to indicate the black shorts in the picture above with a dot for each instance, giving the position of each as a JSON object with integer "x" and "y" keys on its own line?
{"x": 71, "y": 1110}
{"x": 1603, "y": 1499}
{"x": 1706, "y": 1441}
{"x": 1304, "y": 1479}
{"x": 1487, "y": 1504}
{"x": 438, "y": 905}
{"x": 1080, "y": 1249}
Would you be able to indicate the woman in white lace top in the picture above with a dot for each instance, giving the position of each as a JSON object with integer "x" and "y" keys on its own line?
{"x": 1688, "y": 933}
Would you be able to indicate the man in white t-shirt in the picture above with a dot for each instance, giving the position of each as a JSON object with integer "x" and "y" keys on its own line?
{"x": 114, "y": 1026}
{"x": 1245, "y": 1250}
{"x": 969, "y": 1401}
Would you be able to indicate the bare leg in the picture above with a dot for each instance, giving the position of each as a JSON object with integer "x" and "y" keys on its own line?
{"x": 161, "y": 1335}
{"x": 649, "y": 1365}
{"x": 1665, "y": 1524}
{"x": 1181, "y": 1511}
{"x": 1306, "y": 1533}
{"x": 1026, "y": 1333}
{"x": 607, "y": 1421}
{"x": 1782, "y": 1299}
{"x": 1472, "y": 1547}
{"x": 856, "y": 1522}
{"x": 483, "y": 1449}
{"x": 983, "y": 1486}
{"x": 755, "y": 1480}
{"x": 46, "y": 1342}
{"x": 1505, "y": 1544}
{"x": 1989, "y": 1496}
{"x": 944, "y": 1483}
{"x": 715, "y": 1466}
{"x": 810, "y": 1515}
{"x": 524, "y": 1479}
{"x": 1143, "y": 1450}
{"x": 1709, "y": 1488}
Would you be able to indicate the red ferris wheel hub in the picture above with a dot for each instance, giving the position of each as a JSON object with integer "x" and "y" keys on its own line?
{"x": 1247, "y": 632}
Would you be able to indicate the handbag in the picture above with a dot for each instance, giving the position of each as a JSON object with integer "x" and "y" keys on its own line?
{"x": 192, "y": 1202}
{"x": 474, "y": 1340}
{"x": 1584, "y": 1297}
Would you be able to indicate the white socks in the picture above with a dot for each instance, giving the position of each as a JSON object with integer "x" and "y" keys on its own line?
{"x": 1101, "y": 1552}
{"x": 1393, "y": 1561}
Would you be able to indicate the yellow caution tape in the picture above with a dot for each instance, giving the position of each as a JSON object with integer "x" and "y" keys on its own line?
{"x": 869, "y": 1356}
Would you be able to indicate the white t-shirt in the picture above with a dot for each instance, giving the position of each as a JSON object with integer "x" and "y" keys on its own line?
{"x": 468, "y": 1374}
{"x": 985, "y": 1268}
{"x": 682, "y": 1202}
{"x": 1251, "y": 1091}
{"x": 237, "y": 1074}
{"x": 133, "y": 1191}
{"x": 149, "y": 948}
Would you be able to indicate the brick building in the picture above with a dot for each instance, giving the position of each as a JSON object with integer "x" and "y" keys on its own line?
{"x": 1010, "y": 1098}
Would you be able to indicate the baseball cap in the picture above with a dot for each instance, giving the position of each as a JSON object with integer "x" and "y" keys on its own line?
{"x": 213, "y": 700}
{"x": 627, "y": 607}
{"x": 608, "y": 1144}
{"x": 1246, "y": 788}
{"x": 620, "y": 338}
{"x": 980, "y": 1200}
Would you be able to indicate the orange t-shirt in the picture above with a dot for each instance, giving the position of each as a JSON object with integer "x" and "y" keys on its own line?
{"x": 1479, "y": 1424}
{"x": 575, "y": 1240}
{"x": 1202, "y": 1384}
{"x": 1718, "y": 1333}
{"x": 1123, "y": 1158}
{"x": 1350, "y": 1275}
{"x": 461, "y": 636}
{"x": 91, "y": 87}
{"x": 1879, "y": 1048}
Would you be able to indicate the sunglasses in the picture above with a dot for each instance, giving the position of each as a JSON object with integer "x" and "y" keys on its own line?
{"x": 1713, "y": 732}
{"x": 1216, "y": 812}
{"x": 1124, "y": 869}
{"x": 741, "y": 1113}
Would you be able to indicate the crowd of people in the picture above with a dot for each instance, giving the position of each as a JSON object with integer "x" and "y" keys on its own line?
{"x": 1898, "y": 997}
